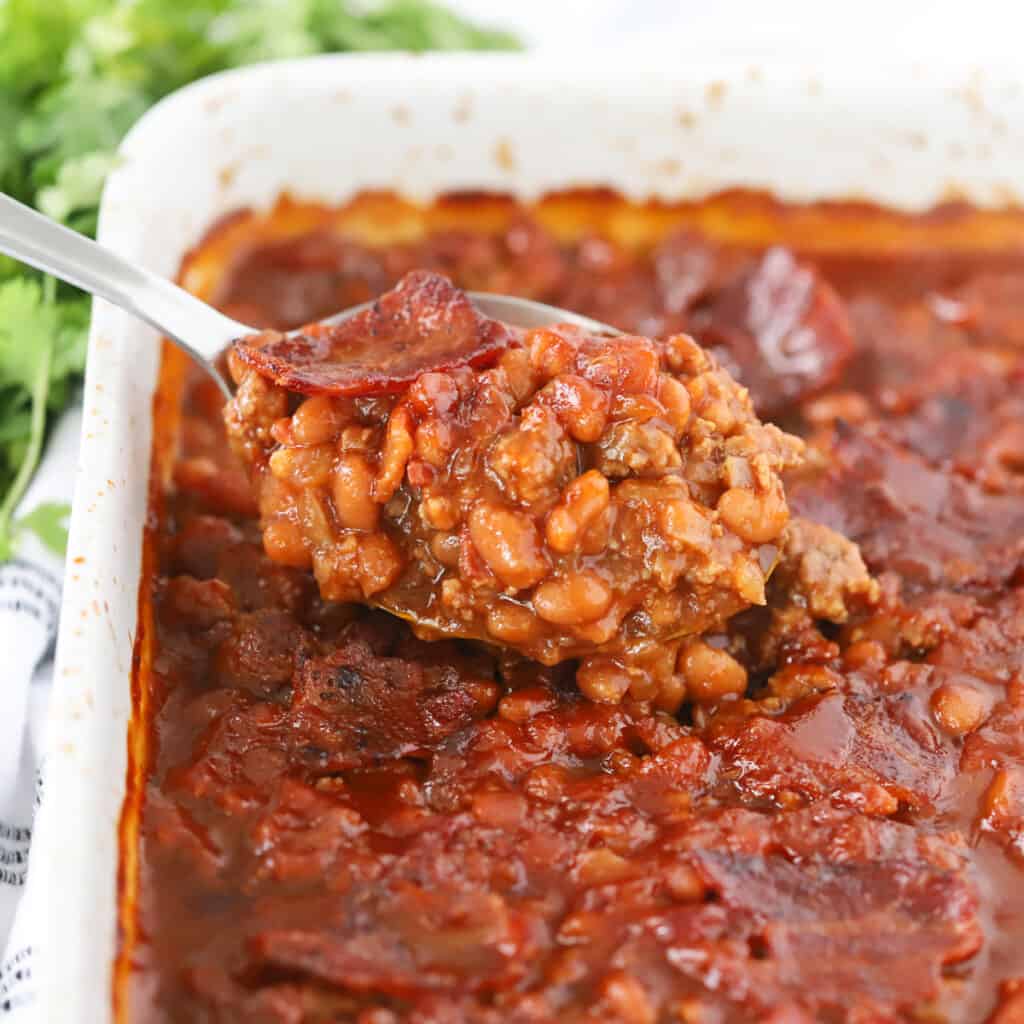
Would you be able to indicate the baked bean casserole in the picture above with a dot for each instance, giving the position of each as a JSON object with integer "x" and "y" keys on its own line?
{"x": 498, "y": 676}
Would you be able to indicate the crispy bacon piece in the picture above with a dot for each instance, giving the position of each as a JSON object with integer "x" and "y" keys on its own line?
{"x": 423, "y": 325}
{"x": 783, "y": 328}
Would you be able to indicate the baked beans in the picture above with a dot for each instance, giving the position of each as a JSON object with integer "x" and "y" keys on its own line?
{"x": 581, "y": 495}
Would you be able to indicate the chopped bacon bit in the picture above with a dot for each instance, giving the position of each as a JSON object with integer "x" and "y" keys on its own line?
{"x": 425, "y": 324}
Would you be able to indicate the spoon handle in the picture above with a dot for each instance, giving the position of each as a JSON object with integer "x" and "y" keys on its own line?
{"x": 30, "y": 237}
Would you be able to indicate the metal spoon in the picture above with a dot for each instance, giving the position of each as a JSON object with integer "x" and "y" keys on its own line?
{"x": 199, "y": 329}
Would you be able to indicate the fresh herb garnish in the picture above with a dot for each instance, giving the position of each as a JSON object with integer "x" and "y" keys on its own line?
{"x": 74, "y": 76}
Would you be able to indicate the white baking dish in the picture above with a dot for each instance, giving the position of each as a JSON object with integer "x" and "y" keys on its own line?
{"x": 326, "y": 128}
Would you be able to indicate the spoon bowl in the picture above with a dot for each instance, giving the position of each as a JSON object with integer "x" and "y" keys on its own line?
{"x": 202, "y": 331}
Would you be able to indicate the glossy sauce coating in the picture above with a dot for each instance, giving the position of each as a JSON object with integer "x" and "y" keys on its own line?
{"x": 344, "y": 823}
{"x": 586, "y": 496}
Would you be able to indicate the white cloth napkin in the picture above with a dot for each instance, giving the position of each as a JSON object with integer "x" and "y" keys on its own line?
{"x": 30, "y": 589}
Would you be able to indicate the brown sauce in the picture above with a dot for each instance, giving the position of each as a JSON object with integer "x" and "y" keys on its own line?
{"x": 337, "y": 821}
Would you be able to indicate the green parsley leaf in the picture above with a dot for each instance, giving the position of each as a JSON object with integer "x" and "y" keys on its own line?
{"x": 49, "y": 522}
{"x": 28, "y": 328}
{"x": 78, "y": 185}
{"x": 28, "y": 325}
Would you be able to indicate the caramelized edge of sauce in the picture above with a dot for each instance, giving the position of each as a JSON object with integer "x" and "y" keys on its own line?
{"x": 167, "y": 398}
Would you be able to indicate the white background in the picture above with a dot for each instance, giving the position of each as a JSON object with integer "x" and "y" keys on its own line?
{"x": 909, "y": 30}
